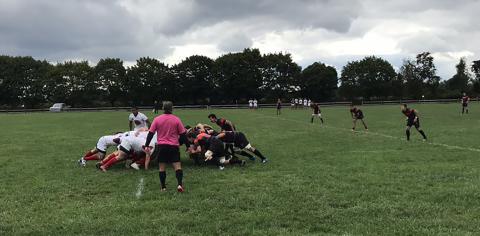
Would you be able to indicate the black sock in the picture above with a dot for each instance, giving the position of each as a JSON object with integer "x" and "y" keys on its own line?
{"x": 246, "y": 154}
{"x": 423, "y": 134}
{"x": 179, "y": 175}
{"x": 321, "y": 119}
{"x": 163, "y": 176}
{"x": 311, "y": 121}
{"x": 256, "y": 152}
{"x": 408, "y": 134}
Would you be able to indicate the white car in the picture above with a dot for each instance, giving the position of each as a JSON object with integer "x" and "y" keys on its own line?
{"x": 58, "y": 107}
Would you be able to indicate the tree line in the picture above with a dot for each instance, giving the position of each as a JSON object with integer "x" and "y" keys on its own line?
{"x": 231, "y": 78}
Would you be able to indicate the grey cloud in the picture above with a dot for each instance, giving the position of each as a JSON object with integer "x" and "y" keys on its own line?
{"x": 235, "y": 42}
{"x": 424, "y": 41}
{"x": 331, "y": 15}
{"x": 46, "y": 28}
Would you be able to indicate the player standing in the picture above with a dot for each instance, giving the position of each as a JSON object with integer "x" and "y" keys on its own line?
{"x": 139, "y": 119}
{"x": 316, "y": 112}
{"x": 169, "y": 129}
{"x": 255, "y": 104}
{"x": 279, "y": 106}
{"x": 412, "y": 120}
{"x": 465, "y": 99}
{"x": 357, "y": 114}
{"x": 250, "y": 104}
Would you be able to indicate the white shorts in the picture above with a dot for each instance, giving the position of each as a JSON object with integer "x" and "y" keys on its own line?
{"x": 318, "y": 115}
{"x": 105, "y": 142}
{"x": 134, "y": 144}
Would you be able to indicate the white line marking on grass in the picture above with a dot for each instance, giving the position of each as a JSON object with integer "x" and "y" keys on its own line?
{"x": 140, "y": 187}
{"x": 380, "y": 134}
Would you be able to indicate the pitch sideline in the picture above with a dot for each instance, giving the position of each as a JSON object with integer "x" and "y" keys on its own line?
{"x": 140, "y": 187}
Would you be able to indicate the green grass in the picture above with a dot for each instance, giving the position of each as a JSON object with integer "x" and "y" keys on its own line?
{"x": 320, "y": 179}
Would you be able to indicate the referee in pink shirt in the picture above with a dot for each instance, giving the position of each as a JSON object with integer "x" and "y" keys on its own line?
{"x": 169, "y": 129}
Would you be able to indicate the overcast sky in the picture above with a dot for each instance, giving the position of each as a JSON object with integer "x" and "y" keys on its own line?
{"x": 329, "y": 31}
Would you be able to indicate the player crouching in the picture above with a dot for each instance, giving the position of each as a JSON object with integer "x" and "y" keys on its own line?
{"x": 98, "y": 153}
{"x": 130, "y": 145}
{"x": 213, "y": 148}
{"x": 357, "y": 114}
{"x": 412, "y": 120}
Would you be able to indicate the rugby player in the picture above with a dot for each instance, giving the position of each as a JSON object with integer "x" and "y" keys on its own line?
{"x": 357, "y": 114}
{"x": 130, "y": 145}
{"x": 98, "y": 153}
{"x": 316, "y": 112}
{"x": 412, "y": 120}
{"x": 465, "y": 99}
{"x": 225, "y": 125}
{"x": 279, "y": 106}
{"x": 213, "y": 148}
{"x": 138, "y": 119}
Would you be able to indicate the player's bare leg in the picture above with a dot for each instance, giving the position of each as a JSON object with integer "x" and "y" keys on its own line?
{"x": 354, "y": 124}
{"x": 120, "y": 157}
{"x": 364, "y": 125}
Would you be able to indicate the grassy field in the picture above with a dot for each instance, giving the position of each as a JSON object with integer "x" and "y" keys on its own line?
{"x": 320, "y": 179}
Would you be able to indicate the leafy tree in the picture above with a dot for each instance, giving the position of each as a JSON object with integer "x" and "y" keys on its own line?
{"x": 195, "y": 77}
{"x": 460, "y": 81}
{"x": 148, "y": 81}
{"x": 110, "y": 78}
{"x": 71, "y": 82}
{"x": 413, "y": 82}
{"x": 319, "y": 82}
{"x": 369, "y": 78}
{"x": 238, "y": 76}
{"x": 476, "y": 72}
{"x": 279, "y": 75}
{"x": 21, "y": 81}
{"x": 427, "y": 72}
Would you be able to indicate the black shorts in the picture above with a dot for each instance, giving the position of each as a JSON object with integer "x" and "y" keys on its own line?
{"x": 465, "y": 104}
{"x": 217, "y": 147}
{"x": 410, "y": 123}
{"x": 166, "y": 153}
{"x": 240, "y": 140}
